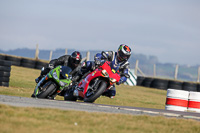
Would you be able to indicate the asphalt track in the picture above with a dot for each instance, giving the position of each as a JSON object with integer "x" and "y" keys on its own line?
{"x": 91, "y": 107}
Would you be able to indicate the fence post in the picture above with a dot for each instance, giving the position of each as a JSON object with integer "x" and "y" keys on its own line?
{"x": 136, "y": 67}
{"x": 88, "y": 56}
{"x": 50, "y": 56}
{"x": 154, "y": 70}
{"x": 198, "y": 77}
{"x": 37, "y": 52}
{"x": 176, "y": 72}
{"x": 66, "y": 51}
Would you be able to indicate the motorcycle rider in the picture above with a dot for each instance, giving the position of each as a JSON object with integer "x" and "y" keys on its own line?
{"x": 73, "y": 61}
{"x": 120, "y": 63}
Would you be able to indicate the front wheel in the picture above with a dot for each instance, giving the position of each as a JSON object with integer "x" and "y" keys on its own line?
{"x": 92, "y": 94}
{"x": 47, "y": 90}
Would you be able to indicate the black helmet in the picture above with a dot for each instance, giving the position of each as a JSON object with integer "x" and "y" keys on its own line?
{"x": 76, "y": 58}
{"x": 123, "y": 53}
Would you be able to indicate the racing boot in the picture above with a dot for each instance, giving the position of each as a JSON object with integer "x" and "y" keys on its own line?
{"x": 110, "y": 92}
{"x": 78, "y": 92}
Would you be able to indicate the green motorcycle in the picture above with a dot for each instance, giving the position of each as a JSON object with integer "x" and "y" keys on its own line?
{"x": 51, "y": 85}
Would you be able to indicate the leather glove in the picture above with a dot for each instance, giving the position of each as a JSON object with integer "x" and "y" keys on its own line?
{"x": 97, "y": 61}
{"x": 120, "y": 81}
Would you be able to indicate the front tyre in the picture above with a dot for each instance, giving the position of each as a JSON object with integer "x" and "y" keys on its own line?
{"x": 92, "y": 95}
{"x": 48, "y": 90}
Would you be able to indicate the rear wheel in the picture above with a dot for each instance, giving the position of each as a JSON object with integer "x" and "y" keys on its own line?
{"x": 93, "y": 93}
{"x": 47, "y": 90}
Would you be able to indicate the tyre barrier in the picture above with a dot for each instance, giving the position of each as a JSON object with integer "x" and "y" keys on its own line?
{"x": 175, "y": 84}
{"x": 181, "y": 100}
{"x": 5, "y": 68}
{"x": 23, "y": 62}
{"x": 189, "y": 86}
{"x": 140, "y": 80}
{"x": 198, "y": 87}
{"x": 160, "y": 84}
{"x": 14, "y": 60}
{"x": 194, "y": 102}
{"x": 147, "y": 82}
{"x": 177, "y": 100}
{"x": 40, "y": 65}
{"x": 28, "y": 63}
{"x": 2, "y": 57}
{"x": 164, "y": 84}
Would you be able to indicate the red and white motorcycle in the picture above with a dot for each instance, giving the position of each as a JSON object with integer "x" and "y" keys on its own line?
{"x": 95, "y": 83}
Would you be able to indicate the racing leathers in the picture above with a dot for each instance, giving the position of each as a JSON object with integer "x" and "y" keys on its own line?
{"x": 121, "y": 67}
{"x": 65, "y": 60}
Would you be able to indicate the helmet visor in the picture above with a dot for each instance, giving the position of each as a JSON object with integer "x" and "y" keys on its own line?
{"x": 76, "y": 61}
{"x": 122, "y": 57}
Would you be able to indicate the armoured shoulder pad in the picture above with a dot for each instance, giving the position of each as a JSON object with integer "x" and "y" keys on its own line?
{"x": 111, "y": 55}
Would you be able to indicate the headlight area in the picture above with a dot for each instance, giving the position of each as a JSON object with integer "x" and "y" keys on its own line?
{"x": 104, "y": 73}
{"x": 62, "y": 83}
{"x": 55, "y": 76}
{"x": 113, "y": 80}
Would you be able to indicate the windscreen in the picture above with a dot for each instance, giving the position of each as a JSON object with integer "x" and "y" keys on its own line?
{"x": 65, "y": 70}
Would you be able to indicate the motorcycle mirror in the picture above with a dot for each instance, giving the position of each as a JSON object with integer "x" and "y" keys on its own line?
{"x": 104, "y": 54}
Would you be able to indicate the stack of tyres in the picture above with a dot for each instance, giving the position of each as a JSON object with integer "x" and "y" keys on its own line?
{"x": 25, "y": 62}
{"x": 16, "y": 61}
{"x": 188, "y": 86}
{"x": 175, "y": 84}
{"x": 5, "y": 68}
{"x": 160, "y": 84}
{"x": 40, "y": 64}
{"x": 140, "y": 80}
{"x": 147, "y": 82}
{"x": 2, "y": 57}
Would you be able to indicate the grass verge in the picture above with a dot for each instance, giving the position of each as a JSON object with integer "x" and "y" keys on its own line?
{"x": 15, "y": 119}
{"x": 22, "y": 84}
{"x": 27, "y": 119}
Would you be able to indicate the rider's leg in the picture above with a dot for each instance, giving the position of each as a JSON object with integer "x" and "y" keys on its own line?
{"x": 44, "y": 71}
{"x": 110, "y": 92}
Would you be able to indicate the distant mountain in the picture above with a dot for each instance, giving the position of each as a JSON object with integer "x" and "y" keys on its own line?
{"x": 146, "y": 63}
{"x": 44, "y": 54}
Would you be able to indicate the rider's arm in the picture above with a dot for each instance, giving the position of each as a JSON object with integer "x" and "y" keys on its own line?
{"x": 123, "y": 70}
{"x": 87, "y": 66}
{"x": 60, "y": 61}
{"x": 110, "y": 55}
{"x": 123, "y": 78}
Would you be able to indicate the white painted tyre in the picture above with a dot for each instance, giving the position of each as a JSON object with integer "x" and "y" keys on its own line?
{"x": 177, "y": 100}
{"x": 178, "y": 94}
{"x": 194, "y": 102}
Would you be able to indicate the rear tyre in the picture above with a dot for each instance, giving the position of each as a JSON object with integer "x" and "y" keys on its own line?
{"x": 47, "y": 91}
{"x": 101, "y": 86}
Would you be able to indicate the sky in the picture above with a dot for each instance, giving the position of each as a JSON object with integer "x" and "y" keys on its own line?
{"x": 168, "y": 29}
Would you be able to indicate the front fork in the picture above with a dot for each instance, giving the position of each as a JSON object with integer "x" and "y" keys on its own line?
{"x": 78, "y": 92}
{"x": 39, "y": 85}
